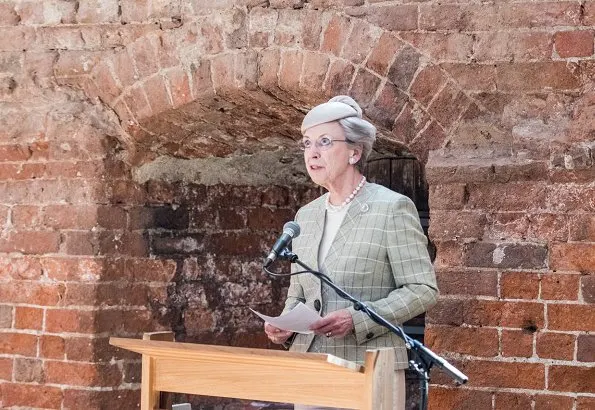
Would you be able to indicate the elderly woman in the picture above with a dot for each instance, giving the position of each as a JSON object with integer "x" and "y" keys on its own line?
{"x": 365, "y": 237}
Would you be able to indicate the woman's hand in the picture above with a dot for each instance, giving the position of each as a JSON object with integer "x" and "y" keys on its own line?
{"x": 336, "y": 324}
{"x": 276, "y": 335}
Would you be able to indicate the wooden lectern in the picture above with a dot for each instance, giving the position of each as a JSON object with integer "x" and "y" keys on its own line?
{"x": 260, "y": 374}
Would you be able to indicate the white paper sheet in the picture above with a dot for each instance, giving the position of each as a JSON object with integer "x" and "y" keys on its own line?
{"x": 297, "y": 319}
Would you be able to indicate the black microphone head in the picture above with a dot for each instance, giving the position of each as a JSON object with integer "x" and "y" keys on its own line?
{"x": 292, "y": 229}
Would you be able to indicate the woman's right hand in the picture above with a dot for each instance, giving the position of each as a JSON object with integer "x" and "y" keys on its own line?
{"x": 276, "y": 335}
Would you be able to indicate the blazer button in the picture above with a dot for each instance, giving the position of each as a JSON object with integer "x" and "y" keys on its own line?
{"x": 370, "y": 335}
{"x": 317, "y": 304}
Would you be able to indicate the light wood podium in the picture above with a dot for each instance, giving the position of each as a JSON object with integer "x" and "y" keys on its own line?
{"x": 261, "y": 374}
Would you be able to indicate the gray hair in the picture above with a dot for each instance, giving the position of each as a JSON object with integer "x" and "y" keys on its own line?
{"x": 357, "y": 130}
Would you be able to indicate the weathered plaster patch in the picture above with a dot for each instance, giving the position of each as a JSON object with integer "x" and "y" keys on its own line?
{"x": 263, "y": 168}
{"x": 498, "y": 255}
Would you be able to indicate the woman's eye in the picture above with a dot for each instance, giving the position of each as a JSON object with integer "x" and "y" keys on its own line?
{"x": 324, "y": 141}
{"x": 306, "y": 143}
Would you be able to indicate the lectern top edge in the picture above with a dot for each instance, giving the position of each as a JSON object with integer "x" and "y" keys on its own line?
{"x": 163, "y": 348}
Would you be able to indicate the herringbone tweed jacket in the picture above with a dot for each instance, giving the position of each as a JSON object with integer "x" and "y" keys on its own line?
{"x": 379, "y": 256}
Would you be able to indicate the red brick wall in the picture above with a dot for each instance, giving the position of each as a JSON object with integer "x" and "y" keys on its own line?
{"x": 91, "y": 254}
{"x": 516, "y": 309}
{"x": 496, "y": 99}
{"x": 73, "y": 272}
{"x": 217, "y": 236}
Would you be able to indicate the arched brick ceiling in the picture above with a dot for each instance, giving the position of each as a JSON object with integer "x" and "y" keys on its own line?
{"x": 236, "y": 81}
{"x": 240, "y": 123}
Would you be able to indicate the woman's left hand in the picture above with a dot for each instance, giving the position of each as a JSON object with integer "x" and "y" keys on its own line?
{"x": 336, "y": 324}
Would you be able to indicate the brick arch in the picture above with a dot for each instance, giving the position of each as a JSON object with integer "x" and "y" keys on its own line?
{"x": 298, "y": 56}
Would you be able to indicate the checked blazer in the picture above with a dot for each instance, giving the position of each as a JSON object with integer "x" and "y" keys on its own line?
{"x": 379, "y": 256}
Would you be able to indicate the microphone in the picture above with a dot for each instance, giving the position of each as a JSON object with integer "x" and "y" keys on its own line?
{"x": 291, "y": 230}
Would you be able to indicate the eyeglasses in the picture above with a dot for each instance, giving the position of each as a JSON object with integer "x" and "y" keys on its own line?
{"x": 323, "y": 143}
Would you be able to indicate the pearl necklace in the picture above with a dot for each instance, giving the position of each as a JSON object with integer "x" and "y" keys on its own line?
{"x": 337, "y": 208}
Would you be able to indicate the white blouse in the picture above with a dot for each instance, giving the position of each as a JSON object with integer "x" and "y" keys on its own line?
{"x": 332, "y": 223}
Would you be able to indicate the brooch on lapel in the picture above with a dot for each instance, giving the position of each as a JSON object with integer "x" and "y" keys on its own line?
{"x": 365, "y": 208}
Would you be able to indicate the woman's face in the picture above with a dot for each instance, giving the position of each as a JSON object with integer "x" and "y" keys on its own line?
{"x": 327, "y": 164}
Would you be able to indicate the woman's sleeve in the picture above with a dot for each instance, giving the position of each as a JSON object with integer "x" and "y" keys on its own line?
{"x": 412, "y": 270}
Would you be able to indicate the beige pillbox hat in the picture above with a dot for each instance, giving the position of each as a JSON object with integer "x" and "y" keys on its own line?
{"x": 329, "y": 111}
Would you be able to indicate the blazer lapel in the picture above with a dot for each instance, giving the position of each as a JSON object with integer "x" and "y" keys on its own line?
{"x": 358, "y": 206}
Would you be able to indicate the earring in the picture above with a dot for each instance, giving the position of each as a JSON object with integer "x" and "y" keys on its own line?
{"x": 351, "y": 160}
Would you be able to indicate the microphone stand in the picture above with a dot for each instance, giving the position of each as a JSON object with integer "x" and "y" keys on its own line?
{"x": 423, "y": 358}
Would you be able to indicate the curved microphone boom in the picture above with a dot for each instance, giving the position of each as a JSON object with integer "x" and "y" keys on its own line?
{"x": 291, "y": 230}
